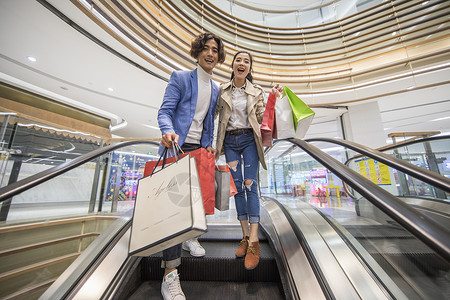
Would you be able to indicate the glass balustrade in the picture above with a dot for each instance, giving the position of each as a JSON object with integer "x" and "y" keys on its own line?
{"x": 430, "y": 155}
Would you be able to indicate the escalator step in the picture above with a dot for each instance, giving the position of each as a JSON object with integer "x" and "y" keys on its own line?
{"x": 227, "y": 233}
{"x": 219, "y": 264}
{"x": 213, "y": 269}
{"x": 209, "y": 290}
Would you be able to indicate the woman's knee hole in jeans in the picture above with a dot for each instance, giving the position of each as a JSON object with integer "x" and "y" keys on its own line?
{"x": 233, "y": 165}
{"x": 248, "y": 184}
{"x": 239, "y": 184}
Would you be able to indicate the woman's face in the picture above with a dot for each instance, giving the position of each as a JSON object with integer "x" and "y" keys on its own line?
{"x": 241, "y": 66}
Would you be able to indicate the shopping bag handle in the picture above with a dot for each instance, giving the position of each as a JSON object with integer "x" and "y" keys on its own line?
{"x": 176, "y": 150}
{"x": 163, "y": 156}
{"x": 178, "y": 147}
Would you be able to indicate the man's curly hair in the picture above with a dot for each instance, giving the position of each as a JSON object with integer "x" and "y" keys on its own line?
{"x": 198, "y": 44}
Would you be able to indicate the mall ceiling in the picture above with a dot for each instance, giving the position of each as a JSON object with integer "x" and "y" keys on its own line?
{"x": 76, "y": 70}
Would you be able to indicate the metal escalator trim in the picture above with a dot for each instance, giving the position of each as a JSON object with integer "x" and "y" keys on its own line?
{"x": 433, "y": 205}
{"x": 301, "y": 278}
{"x": 366, "y": 260}
{"x": 114, "y": 290}
{"x": 41, "y": 177}
{"x": 424, "y": 228}
{"x": 99, "y": 281}
{"x": 340, "y": 268}
{"x": 425, "y": 175}
{"x": 351, "y": 266}
{"x": 287, "y": 280}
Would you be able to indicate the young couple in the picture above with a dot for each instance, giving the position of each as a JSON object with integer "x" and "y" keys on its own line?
{"x": 191, "y": 102}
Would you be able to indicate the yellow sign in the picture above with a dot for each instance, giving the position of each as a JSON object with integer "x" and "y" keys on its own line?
{"x": 375, "y": 171}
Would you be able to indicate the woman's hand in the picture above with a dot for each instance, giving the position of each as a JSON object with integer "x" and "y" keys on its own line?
{"x": 277, "y": 90}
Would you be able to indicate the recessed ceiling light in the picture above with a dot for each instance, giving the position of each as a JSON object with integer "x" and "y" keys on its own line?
{"x": 440, "y": 119}
{"x": 31, "y": 58}
{"x": 150, "y": 126}
{"x": 110, "y": 89}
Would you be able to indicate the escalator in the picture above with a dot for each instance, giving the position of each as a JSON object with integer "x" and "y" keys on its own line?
{"x": 218, "y": 273}
{"x": 389, "y": 247}
{"x": 410, "y": 260}
{"x": 311, "y": 248}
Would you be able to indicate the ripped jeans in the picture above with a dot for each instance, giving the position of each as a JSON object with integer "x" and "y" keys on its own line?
{"x": 242, "y": 149}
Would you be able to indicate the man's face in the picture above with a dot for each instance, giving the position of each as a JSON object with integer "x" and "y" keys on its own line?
{"x": 209, "y": 56}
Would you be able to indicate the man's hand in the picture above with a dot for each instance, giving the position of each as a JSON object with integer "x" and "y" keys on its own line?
{"x": 211, "y": 150}
{"x": 166, "y": 140}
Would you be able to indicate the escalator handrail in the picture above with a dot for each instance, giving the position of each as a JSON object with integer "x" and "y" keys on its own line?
{"x": 20, "y": 186}
{"x": 425, "y": 175}
{"x": 421, "y": 226}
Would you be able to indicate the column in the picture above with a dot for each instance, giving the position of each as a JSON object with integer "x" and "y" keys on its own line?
{"x": 362, "y": 124}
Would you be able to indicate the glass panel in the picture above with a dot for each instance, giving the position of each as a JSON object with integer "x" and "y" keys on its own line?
{"x": 310, "y": 18}
{"x": 125, "y": 168}
{"x": 30, "y": 147}
{"x": 432, "y": 155}
{"x": 363, "y": 4}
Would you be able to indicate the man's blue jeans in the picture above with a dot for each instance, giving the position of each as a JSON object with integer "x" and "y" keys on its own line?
{"x": 242, "y": 149}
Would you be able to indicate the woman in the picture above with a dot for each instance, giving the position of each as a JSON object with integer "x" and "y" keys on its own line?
{"x": 241, "y": 108}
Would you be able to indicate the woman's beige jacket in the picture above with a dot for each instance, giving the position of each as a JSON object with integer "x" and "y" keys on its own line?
{"x": 255, "y": 112}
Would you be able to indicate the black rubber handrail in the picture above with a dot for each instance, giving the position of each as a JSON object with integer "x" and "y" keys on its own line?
{"x": 22, "y": 185}
{"x": 421, "y": 226}
{"x": 425, "y": 175}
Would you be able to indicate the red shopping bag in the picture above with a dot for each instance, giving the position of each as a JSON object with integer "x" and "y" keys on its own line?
{"x": 205, "y": 165}
{"x": 268, "y": 130}
{"x": 233, "y": 189}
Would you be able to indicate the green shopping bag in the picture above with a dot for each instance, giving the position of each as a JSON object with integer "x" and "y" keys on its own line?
{"x": 301, "y": 113}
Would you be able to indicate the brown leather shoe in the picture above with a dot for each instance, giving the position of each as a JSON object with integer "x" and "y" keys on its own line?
{"x": 242, "y": 250}
{"x": 252, "y": 257}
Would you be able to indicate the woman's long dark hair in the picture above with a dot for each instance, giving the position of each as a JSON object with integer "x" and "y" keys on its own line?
{"x": 249, "y": 75}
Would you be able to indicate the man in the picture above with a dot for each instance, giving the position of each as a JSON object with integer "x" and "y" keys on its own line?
{"x": 186, "y": 117}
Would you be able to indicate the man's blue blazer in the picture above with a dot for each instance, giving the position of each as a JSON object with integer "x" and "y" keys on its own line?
{"x": 178, "y": 108}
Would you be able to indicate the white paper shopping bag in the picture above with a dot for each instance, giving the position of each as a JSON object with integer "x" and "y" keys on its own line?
{"x": 168, "y": 209}
{"x": 284, "y": 119}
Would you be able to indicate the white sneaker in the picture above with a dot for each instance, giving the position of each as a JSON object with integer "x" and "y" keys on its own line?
{"x": 194, "y": 247}
{"x": 171, "y": 288}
